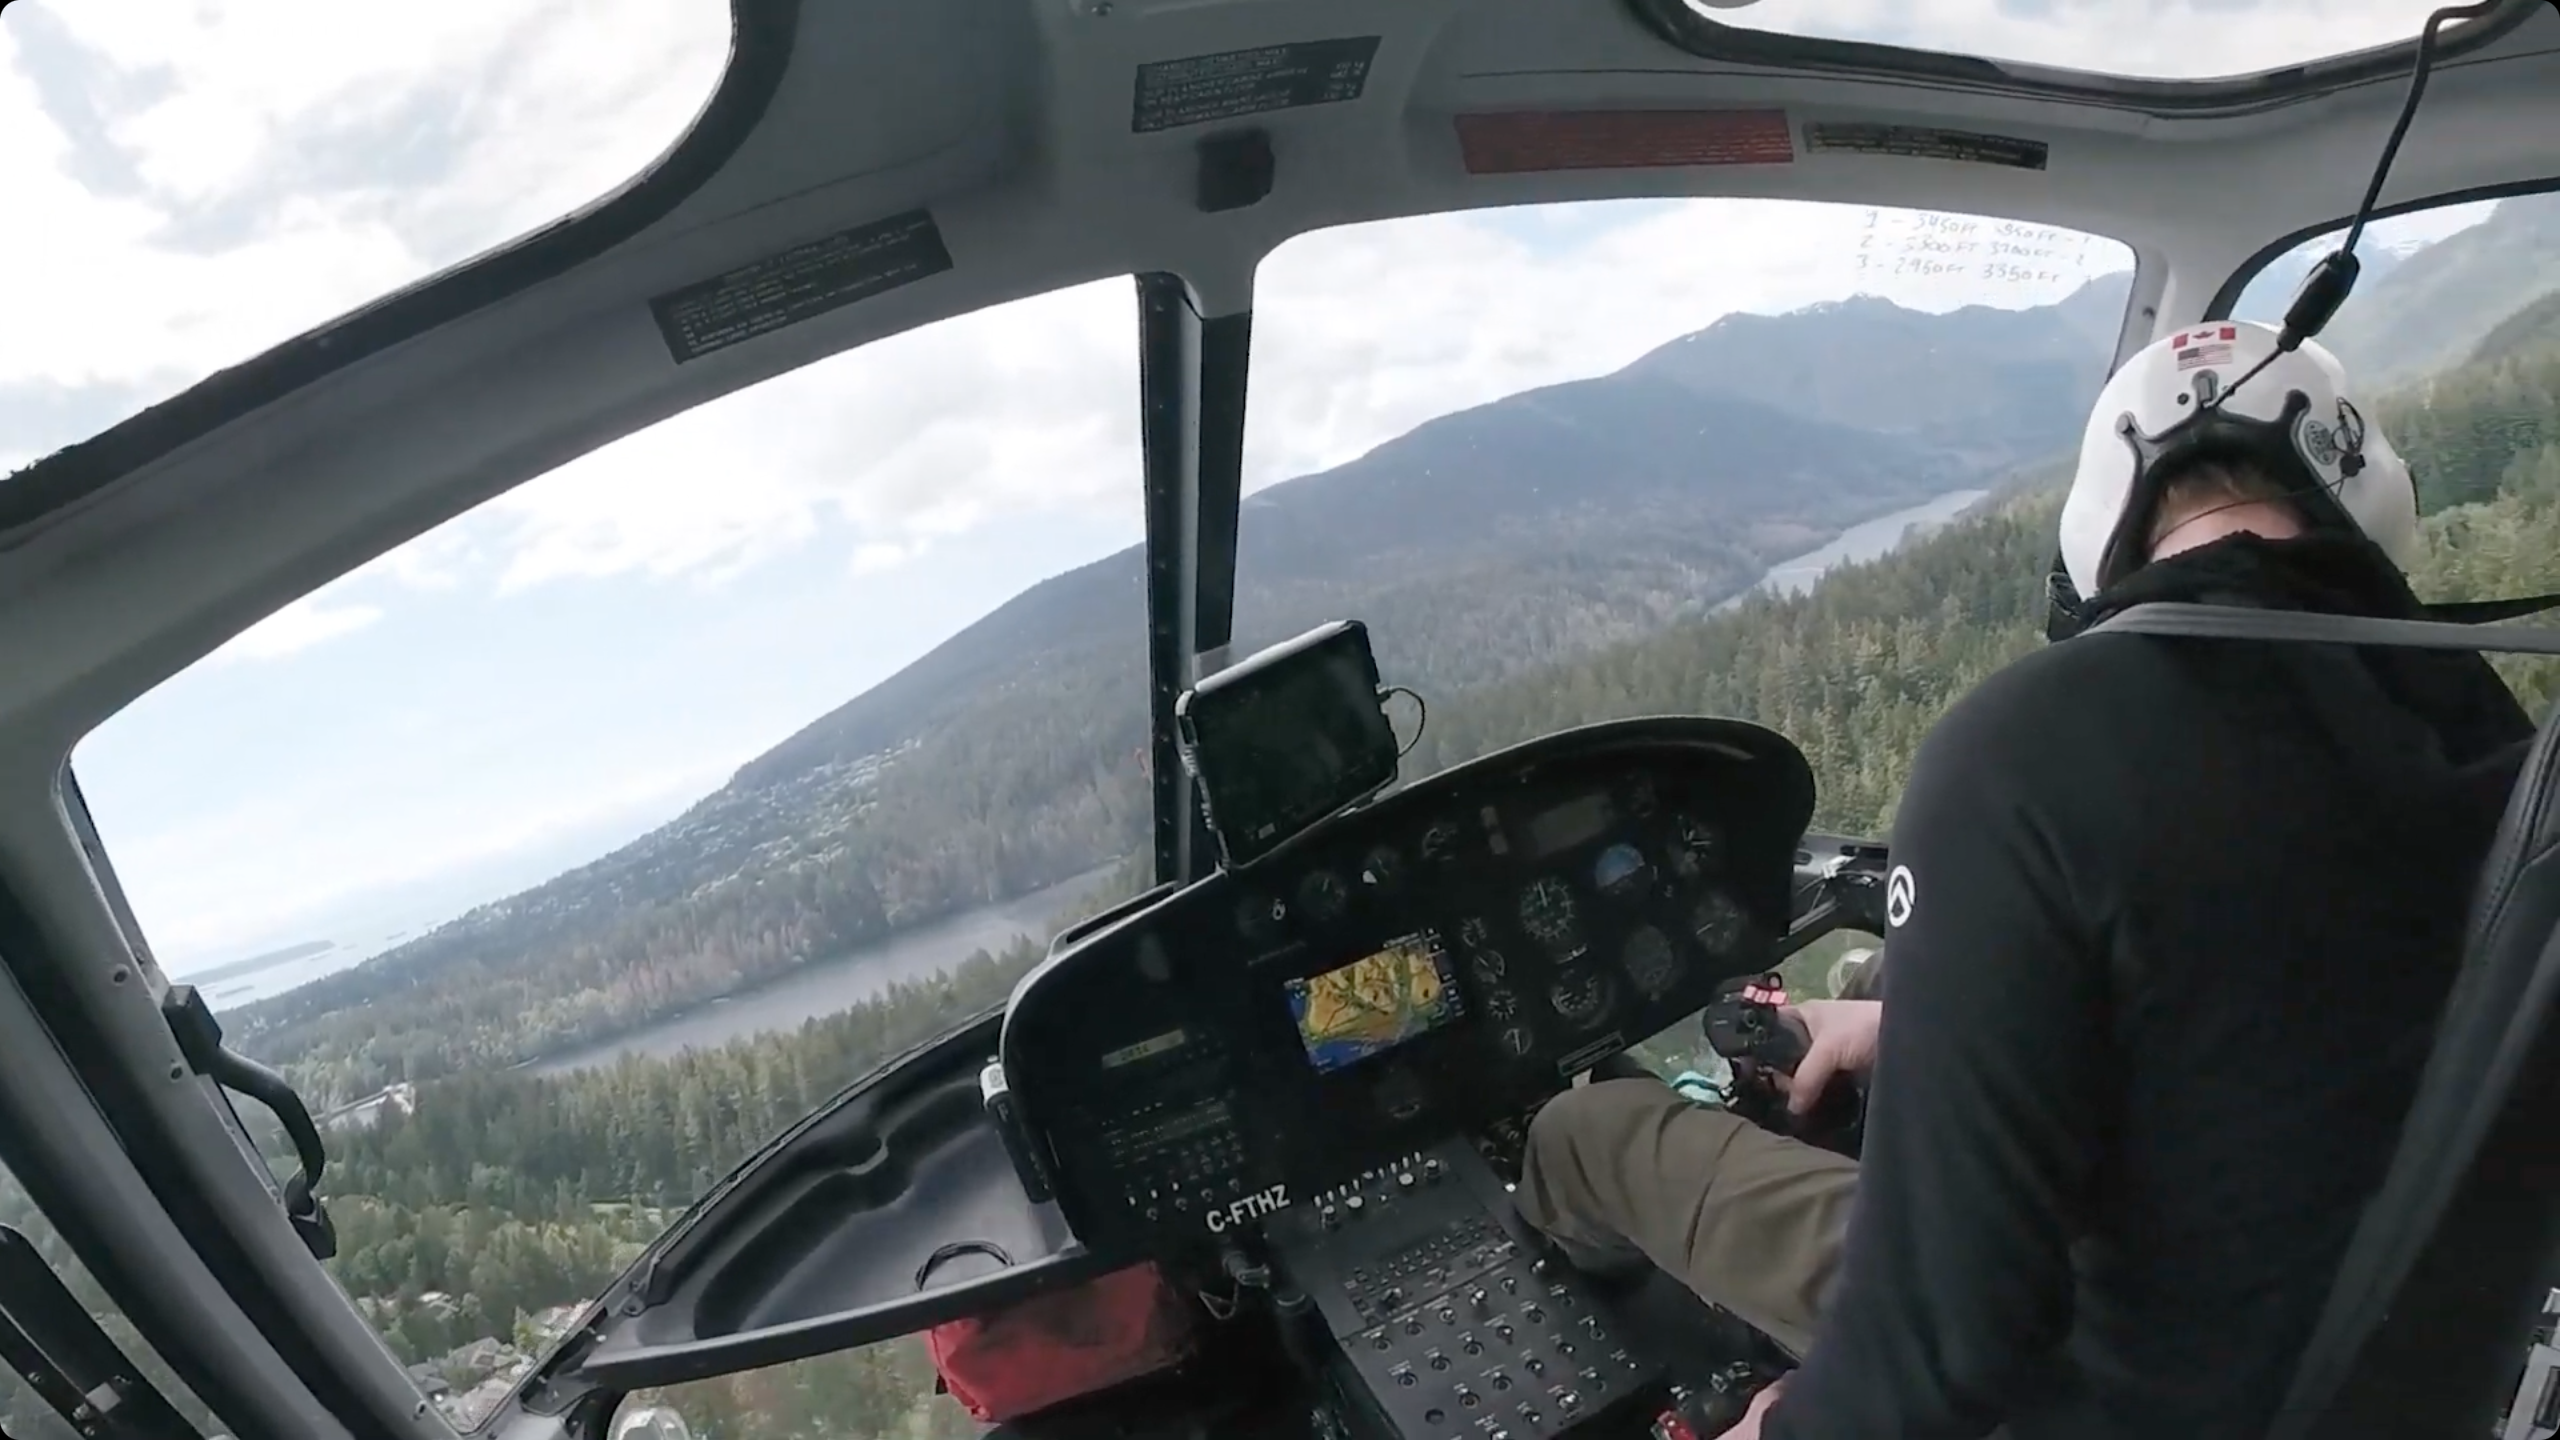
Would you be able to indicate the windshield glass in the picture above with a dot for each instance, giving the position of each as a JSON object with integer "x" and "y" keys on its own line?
{"x": 2454, "y": 330}
{"x": 2438, "y": 302}
{"x": 568, "y": 852}
{"x": 217, "y": 176}
{"x": 565, "y": 854}
{"x": 2171, "y": 39}
{"x": 1578, "y": 471}
{"x": 1649, "y": 406}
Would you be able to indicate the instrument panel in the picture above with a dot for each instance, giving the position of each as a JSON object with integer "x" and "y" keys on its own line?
{"x": 1409, "y": 972}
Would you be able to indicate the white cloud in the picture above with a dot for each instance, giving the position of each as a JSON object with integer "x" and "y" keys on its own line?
{"x": 296, "y": 158}
{"x": 306, "y": 622}
{"x": 872, "y": 557}
{"x": 1362, "y": 333}
{"x": 1024, "y": 407}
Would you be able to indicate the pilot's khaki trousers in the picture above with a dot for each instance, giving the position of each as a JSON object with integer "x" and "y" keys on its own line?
{"x": 1752, "y": 1221}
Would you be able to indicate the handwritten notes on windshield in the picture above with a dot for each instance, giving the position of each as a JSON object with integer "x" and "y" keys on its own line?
{"x": 1910, "y": 245}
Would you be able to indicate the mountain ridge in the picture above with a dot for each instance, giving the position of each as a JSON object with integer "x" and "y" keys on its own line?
{"x": 1269, "y": 536}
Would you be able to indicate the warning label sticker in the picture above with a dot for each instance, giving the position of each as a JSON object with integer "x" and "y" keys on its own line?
{"x": 1202, "y": 88}
{"x": 2198, "y": 348}
{"x": 801, "y": 283}
{"x": 1524, "y": 141}
{"x": 1925, "y": 142}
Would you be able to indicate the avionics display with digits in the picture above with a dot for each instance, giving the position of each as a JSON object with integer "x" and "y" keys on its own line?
{"x": 1375, "y": 1003}
{"x": 1288, "y": 737}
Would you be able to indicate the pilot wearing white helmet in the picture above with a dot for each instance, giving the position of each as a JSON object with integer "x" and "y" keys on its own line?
{"x": 2266, "y": 453}
{"x": 2174, "y": 919}
{"x": 2156, "y": 907}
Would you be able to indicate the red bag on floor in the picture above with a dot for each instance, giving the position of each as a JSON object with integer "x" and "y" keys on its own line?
{"x": 1067, "y": 1343}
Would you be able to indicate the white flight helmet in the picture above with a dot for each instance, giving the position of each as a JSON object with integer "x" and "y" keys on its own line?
{"x": 2293, "y": 417}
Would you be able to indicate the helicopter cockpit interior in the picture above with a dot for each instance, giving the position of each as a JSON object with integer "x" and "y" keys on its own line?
{"x": 1289, "y": 1082}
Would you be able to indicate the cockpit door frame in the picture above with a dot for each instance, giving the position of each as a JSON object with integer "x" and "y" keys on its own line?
{"x": 1191, "y": 381}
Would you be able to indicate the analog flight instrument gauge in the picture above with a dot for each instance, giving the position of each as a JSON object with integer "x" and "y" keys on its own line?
{"x": 1259, "y": 918}
{"x": 1323, "y": 897}
{"x": 1501, "y": 1004}
{"x": 1440, "y": 842}
{"x": 1581, "y": 996}
{"x": 1621, "y": 872}
{"x": 1701, "y": 845}
{"x": 1382, "y": 868}
{"x": 1720, "y": 924}
{"x": 1518, "y": 1040}
{"x": 1547, "y": 913}
{"x": 1650, "y": 961}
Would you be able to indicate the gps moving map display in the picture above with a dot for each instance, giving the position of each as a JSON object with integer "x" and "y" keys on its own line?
{"x": 1375, "y": 1003}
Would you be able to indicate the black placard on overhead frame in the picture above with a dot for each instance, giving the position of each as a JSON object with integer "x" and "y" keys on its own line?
{"x": 801, "y": 283}
{"x": 1199, "y": 89}
{"x": 1926, "y": 142}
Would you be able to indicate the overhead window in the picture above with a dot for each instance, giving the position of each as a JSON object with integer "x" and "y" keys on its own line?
{"x": 215, "y": 178}
{"x": 2164, "y": 40}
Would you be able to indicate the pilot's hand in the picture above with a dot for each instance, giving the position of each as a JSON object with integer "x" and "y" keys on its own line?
{"x": 1748, "y": 1427}
{"x": 1840, "y": 1039}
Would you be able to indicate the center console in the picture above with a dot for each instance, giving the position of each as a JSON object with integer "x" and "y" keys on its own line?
{"x": 1438, "y": 1300}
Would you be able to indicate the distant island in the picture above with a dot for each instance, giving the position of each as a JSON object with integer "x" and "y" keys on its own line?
{"x": 256, "y": 963}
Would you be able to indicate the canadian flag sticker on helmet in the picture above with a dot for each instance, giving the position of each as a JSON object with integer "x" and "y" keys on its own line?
{"x": 2205, "y": 347}
{"x": 2159, "y": 401}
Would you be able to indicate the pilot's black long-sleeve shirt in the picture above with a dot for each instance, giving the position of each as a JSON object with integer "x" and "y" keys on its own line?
{"x": 2170, "y": 920}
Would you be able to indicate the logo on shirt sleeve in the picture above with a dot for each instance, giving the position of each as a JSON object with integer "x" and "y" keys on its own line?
{"x": 1900, "y": 893}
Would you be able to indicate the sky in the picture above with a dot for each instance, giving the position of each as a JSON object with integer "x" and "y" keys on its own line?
{"x": 576, "y": 661}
